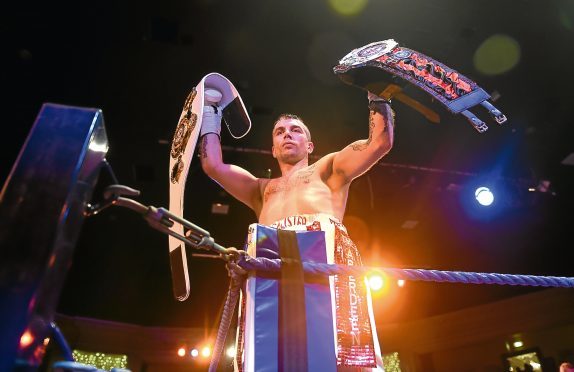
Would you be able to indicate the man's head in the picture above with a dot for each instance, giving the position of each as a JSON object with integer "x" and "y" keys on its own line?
{"x": 294, "y": 117}
{"x": 291, "y": 139}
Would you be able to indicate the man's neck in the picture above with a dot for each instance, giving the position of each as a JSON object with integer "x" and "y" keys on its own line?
{"x": 288, "y": 169}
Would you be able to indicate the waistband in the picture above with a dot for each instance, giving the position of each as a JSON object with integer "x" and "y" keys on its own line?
{"x": 314, "y": 221}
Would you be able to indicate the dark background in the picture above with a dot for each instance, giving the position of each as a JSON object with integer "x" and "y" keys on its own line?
{"x": 137, "y": 61}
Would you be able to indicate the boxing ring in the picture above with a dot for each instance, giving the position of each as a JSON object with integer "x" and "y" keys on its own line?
{"x": 34, "y": 266}
{"x": 54, "y": 178}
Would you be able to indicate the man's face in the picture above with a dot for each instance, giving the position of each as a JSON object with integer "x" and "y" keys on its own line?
{"x": 290, "y": 142}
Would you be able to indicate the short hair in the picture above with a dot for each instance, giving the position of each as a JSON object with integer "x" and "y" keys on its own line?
{"x": 294, "y": 117}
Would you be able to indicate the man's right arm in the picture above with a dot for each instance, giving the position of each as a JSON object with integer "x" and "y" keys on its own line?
{"x": 241, "y": 184}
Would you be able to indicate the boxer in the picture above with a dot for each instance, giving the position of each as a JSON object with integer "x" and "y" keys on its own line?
{"x": 308, "y": 197}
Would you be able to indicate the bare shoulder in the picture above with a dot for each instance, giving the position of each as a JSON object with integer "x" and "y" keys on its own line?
{"x": 324, "y": 166}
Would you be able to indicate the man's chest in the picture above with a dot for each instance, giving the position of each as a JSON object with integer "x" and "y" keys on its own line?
{"x": 298, "y": 184}
{"x": 299, "y": 192}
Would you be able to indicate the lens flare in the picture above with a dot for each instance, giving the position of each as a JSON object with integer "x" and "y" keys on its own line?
{"x": 348, "y": 7}
{"x": 497, "y": 54}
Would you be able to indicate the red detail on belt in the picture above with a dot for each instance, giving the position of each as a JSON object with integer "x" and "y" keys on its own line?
{"x": 418, "y": 66}
{"x": 354, "y": 336}
{"x": 315, "y": 226}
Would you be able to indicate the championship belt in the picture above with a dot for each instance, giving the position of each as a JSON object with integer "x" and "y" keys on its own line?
{"x": 182, "y": 150}
{"x": 379, "y": 66}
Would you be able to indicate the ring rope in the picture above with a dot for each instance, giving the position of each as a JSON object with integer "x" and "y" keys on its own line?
{"x": 239, "y": 263}
{"x": 315, "y": 268}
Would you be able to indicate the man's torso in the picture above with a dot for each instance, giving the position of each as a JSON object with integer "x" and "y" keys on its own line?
{"x": 302, "y": 192}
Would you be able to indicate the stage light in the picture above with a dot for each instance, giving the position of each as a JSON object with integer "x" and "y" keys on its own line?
{"x": 26, "y": 339}
{"x": 181, "y": 352}
{"x": 488, "y": 198}
{"x": 376, "y": 282}
{"x": 518, "y": 344}
{"x": 230, "y": 351}
{"x": 401, "y": 283}
{"x": 194, "y": 353}
{"x": 484, "y": 196}
{"x": 206, "y": 351}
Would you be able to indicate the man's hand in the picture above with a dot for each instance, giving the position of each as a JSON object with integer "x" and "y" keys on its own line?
{"x": 211, "y": 121}
{"x": 377, "y": 103}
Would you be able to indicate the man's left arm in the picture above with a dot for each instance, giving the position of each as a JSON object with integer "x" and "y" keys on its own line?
{"x": 360, "y": 156}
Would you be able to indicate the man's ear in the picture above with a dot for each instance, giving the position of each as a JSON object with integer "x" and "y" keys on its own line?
{"x": 310, "y": 147}
{"x": 273, "y": 152}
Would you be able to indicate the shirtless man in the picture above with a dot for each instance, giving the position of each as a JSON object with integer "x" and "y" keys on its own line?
{"x": 322, "y": 187}
{"x": 308, "y": 197}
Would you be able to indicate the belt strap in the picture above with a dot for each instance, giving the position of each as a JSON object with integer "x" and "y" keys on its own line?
{"x": 292, "y": 316}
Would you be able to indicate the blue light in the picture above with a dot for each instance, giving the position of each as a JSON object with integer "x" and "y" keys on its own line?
{"x": 486, "y": 199}
{"x": 484, "y": 196}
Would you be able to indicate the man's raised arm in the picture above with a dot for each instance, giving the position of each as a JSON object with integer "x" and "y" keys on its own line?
{"x": 241, "y": 184}
{"x": 360, "y": 156}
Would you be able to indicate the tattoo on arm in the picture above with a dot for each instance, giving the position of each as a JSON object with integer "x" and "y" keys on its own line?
{"x": 203, "y": 148}
{"x": 363, "y": 144}
{"x": 386, "y": 112}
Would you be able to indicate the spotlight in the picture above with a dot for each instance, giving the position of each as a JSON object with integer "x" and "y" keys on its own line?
{"x": 401, "y": 283}
{"x": 181, "y": 352}
{"x": 484, "y": 196}
{"x": 26, "y": 339}
{"x": 376, "y": 282}
{"x": 488, "y": 198}
{"x": 194, "y": 353}
{"x": 206, "y": 351}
